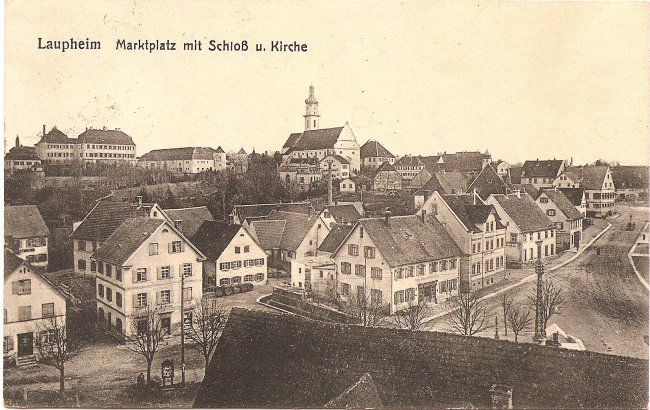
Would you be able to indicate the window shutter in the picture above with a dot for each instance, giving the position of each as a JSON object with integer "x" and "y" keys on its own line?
{"x": 15, "y": 288}
{"x": 158, "y": 297}
{"x": 169, "y": 247}
{"x": 182, "y": 246}
{"x": 135, "y": 300}
{"x": 134, "y": 274}
{"x": 10, "y": 343}
{"x": 171, "y": 271}
{"x": 171, "y": 296}
{"x": 159, "y": 274}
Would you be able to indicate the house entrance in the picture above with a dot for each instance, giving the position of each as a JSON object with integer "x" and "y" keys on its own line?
{"x": 25, "y": 344}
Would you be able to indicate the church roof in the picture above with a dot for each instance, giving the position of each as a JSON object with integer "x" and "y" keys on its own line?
{"x": 323, "y": 138}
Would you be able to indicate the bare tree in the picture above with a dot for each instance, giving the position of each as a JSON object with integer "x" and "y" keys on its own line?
{"x": 468, "y": 315}
{"x": 552, "y": 300}
{"x": 57, "y": 344}
{"x": 519, "y": 319}
{"x": 208, "y": 320}
{"x": 506, "y": 304}
{"x": 413, "y": 317}
{"x": 147, "y": 337}
{"x": 366, "y": 310}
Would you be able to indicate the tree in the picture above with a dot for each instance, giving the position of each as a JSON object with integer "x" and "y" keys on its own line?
{"x": 506, "y": 304}
{"x": 519, "y": 319}
{"x": 57, "y": 344}
{"x": 552, "y": 300}
{"x": 208, "y": 320}
{"x": 147, "y": 337}
{"x": 468, "y": 315}
{"x": 413, "y": 317}
{"x": 367, "y": 311}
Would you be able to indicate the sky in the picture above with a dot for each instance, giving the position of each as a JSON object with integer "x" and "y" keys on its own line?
{"x": 522, "y": 80}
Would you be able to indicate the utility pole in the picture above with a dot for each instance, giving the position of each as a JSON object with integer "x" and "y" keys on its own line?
{"x": 539, "y": 270}
{"x": 182, "y": 328}
{"x": 329, "y": 183}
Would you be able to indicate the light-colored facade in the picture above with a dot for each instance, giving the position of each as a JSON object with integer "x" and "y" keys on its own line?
{"x": 542, "y": 173}
{"x": 150, "y": 279}
{"x": 568, "y": 222}
{"x": 304, "y": 177}
{"x": 93, "y": 145}
{"x": 335, "y": 164}
{"x": 30, "y": 302}
{"x": 409, "y": 167}
{"x": 189, "y": 160}
{"x": 387, "y": 178}
{"x": 597, "y": 181}
{"x": 316, "y": 274}
{"x": 477, "y": 231}
{"x": 26, "y": 234}
{"x": 347, "y": 185}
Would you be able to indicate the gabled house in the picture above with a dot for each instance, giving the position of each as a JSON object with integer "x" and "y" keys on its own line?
{"x": 478, "y": 232}
{"x": 140, "y": 267}
{"x": 488, "y": 182}
{"x": 530, "y": 233}
{"x": 349, "y": 185}
{"x": 502, "y": 169}
{"x": 304, "y": 177}
{"x": 568, "y": 220}
{"x": 102, "y": 220}
{"x": 470, "y": 163}
{"x": 335, "y": 165}
{"x": 631, "y": 182}
{"x": 396, "y": 261}
{"x": 30, "y": 301}
{"x": 408, "y": 167}
{"x": 452, "y": 183}
{"x": 186, "y": 160}
{"x": 188, "y": 220}
{"x": 542, "y": 173}
{"x": 22, "y": 158}
{"x": 600, "y": 192}
{"x": 386, "y": 178}
{"x": 233, "y": 255}
{"x": 344, "y": 214}
{"x": 26, "y": 234}
{"x": 373, "y": 154}
{"x": 577, "y": 198}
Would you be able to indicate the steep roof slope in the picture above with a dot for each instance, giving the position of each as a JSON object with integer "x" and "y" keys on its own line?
{"x": 104, "y": 136}
{"x": 524, "y": 212}
{"x": 372, "y": 149}
{"x": 488, "y": 182}
{"x": 126, "y": 239}
{"x": 191, "y": 218}
{"x": 179, "y": 154}
{"x": 464, "y": 161}
{"x": 409, "y": 369}
{"x": 575, "y": 195}
{"x": 469, "y": 212}
{"x": 213, "y": 237}
{"x": 346, "y": 213}
{"x": 542, "y": 169}
{"x": 24, "y": 221}
{"x": 296, "y": 228}
{"x": 322, "y": 138}
{"x": 333, "y": 240}
{"x": 55, "y": 136}
{"x": 563, "y": 203}
{"x": 103, "y": 220}
{"x": 268, "y": 233}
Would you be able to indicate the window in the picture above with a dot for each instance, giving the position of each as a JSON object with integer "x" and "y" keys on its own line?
{"x": 81, "y": 264}
{"x": 22, "y": 287}
{"x": 433, "y": 267}
{"x": 443, "y": 265}
{"x": 187, "y": 269}
{"x": 47, "y": 309}
{"x": 452, "y": 264}
{"x": 235, "y": 264}
{"x": 369, "y": 252}
{"x": 410, "y": 271}
{"x": 118, "y": 299}
{"x": 550, "y": 212}
{"x": 100, "y": 267}
{"x": 376, "y": 296}
{"x": 399, "y": 297}
{"x": 237, "y": 249}
{"x": 100, "y": 290}
{"x": 25, "y": 313}
{"x": 8, "y": 344}
{"x": 153, "y": 249}
{"x": 248, "y": 278}
{"x": 176, "y": 247}
{"x": 109, "y": 270}
{"x": 224, "y": 282}
{"x": 346, "y": 267}
{"x": 247, "y": 248}
{"x": 409, "y": 294}
{"x": 513, "y": 237}
{"x": 259, "y": 262}
{"x": 359, "y": 270}
{"x": 140, "y": 275}
{"x": 375, "y": 273}
{"x": 47, "y": 337}
{"x": 259, "y": 277}
{"x": 353, "y": 250}
{"x": 224, "y": 266}
{"x": 361, "y": 232}
{"x": 248, "y": 263}
{"x": 165, "y": 296}
{"x": 345, "y": 289}
{"x": 539, "y": 235}
{"x": 109, "y": 294}
{"x": 236, "y": 280}
{"x": 141, "y": 299}
{"x": 399, "y": 273}
{"x": 543, "y": 200}
{"x": 93, "y": 266}
{"x": 81, "y": 245}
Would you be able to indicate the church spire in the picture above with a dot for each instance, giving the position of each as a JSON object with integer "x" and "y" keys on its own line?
{"x": 17, "y": 141}
{"x": 311, "y": 112}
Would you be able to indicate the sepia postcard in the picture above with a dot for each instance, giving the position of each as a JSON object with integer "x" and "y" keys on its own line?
{"x": 304, "y": 204}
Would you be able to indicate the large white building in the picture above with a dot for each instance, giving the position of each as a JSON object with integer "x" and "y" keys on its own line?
{"x": 187, "y": 160}
{"x": 92, "y": 145}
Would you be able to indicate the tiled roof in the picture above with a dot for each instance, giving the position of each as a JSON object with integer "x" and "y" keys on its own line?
{"x": 452, "y": 182}
{"x": 295, "y": 230}
{"x": 337, "y": 157}
{"x": 594, "y": 176}
{"x": 22, "y": 153}
{"x": 56, "y": 137}
{"x": 323, "y": 138}
{"x": 257, "y": 211}
{"x": 635, "y": 177}
{"x": 241, "y": 152}
{"x": 268, "y": 233}
{"x": 563, "y": 203}
{"x": 338, "y": 233}
{"x": 24, "y": 221}
{"x": 220, "y": 150}
{"x": 126, "y": 239}
{"x": 527, "y": 188}
{"x": 542, "y": 169}
{"x": 410, "y": 369}
{"x": 408, "y": 240}
{"x": 373, "y": 149}
{"x": 11, "y": 262}
{"x": 346, "y": 213}
{"x": 464, "y": 161}
{"x": 361, "y": 395}
{"x": 103, "y": 220}
{"x": 488, "y": 182}
{"x": 514, "y": 175}
{"x": 409, "y": 161}
{"x": 213, "y": 237}
{"x": 179, "y": 154}
{"x": 385, "y": 167}
{"x": 192, "y": 218}
{"x": 95, "y": 136}
{"x": 432, "y": 163}
{"x": 469, "y": 212}
{"x": 574, "y": 195}
{"x": 524, "y": 212}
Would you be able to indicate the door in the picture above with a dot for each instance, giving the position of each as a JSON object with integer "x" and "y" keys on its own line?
{"x": 25, "y": 344}
{"x": 576, "y": 239}
{"x": 166, "y": 324}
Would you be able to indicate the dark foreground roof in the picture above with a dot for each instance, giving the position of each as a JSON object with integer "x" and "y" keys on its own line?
{"x": 191, "y": 218}
{"x": 103, "y": 220}
{"x": 213, "y": 237}
{"x": 372, "y": 149}
{"x": 345, "y": 213}
{"x": 126, "y": 239}
{"x": 24, "y": 221}
{"x": 271, "y": 360}
{"x": 333, "y": 240}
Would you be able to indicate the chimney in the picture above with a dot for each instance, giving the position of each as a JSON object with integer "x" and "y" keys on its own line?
{"x": 139, "y": 200}
{"x": 17, "y": 141}
{"x": 104, "y": 128}
{"x": 517, "y": 192}
{"x": 178, "y": 224}
{"x": 501, "y": 396}
{"x": 43, "y": 129}
{"x": 424, "y": 215}
{"x": 387, "y": 217}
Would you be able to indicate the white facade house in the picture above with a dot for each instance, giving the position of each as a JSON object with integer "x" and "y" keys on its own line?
{"x": 316, "y": 274}
{"x": 187, "y": 160}
{"x": 140, "y": 268}
{"x": 26, "y": 234}
{"x": 92, "y": 145}
{"x": 568, "y": 220}
{"x": 335, "y": 165}
{"x": 30, "y": 303}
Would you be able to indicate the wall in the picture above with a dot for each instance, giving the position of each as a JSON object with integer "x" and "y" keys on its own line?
{"x": 242, "y": 239}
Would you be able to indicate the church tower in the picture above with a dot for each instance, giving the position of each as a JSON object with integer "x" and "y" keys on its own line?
{"x": 311, "y": 115}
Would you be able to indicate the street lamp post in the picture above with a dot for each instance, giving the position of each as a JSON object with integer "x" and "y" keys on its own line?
{"x": 539, "y": 270}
